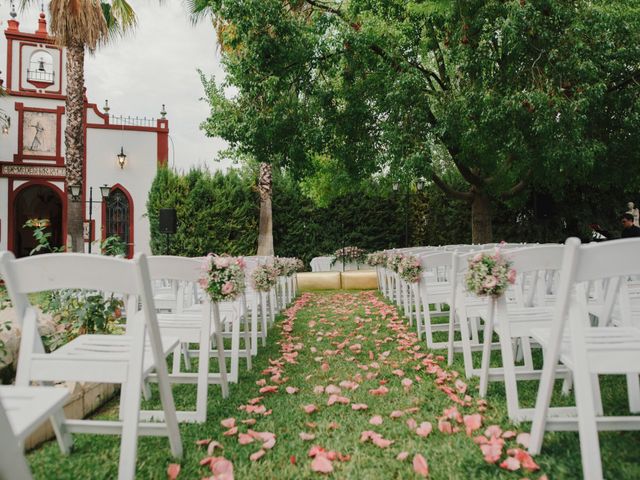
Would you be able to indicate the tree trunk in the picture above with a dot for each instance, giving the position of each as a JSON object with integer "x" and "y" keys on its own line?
{"x": 74, "y": 143}
{"x": 481, "y": 228}
{"x": 265, "y": 229}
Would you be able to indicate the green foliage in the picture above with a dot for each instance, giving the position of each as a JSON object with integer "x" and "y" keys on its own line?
{"x": 113, "y": 246}
{"x": 41, "y": 235}
{"x": 79, "y": 312}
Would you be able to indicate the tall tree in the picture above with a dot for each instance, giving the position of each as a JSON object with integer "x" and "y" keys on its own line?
{"x": 80, "y": 25}
{"x": 503, "y": 95}
{"x": 263, "y": 117}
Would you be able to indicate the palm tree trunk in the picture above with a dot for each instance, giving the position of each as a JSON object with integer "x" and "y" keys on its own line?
{"x": 265, "y": 229}
{"x": 74, "y": 143}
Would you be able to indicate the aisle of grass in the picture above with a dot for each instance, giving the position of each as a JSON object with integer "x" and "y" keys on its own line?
{"x": 334, "y": 338}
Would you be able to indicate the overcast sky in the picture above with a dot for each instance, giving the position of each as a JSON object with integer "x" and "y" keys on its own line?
{"x": 156, "y": 64}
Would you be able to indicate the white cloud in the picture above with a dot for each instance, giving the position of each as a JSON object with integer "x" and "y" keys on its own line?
{"x": 156, "y": 64}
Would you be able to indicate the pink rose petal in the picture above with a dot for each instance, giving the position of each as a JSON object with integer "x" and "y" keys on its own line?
{"x": 257, "y": 455}
{"x": 321, "y": 464}
{"x": 420, "y": 465}
{"x": 245, "y": 439}
{"x": 310, "y": 408}
{"x": 376, "y": 420}
{"x": 510, "y": 463}
{"x": 424, "y": 429}
{"x": 402, "y": 456}
{"x": 291, "y": 390}
{"x": 306, "y": 436}
{"x": 228, "y": 422}
{"x": 173, "y": 470}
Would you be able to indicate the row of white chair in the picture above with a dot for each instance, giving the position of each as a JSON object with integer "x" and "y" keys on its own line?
{"x": 579, "y": 304}
{"x": 134, "y": 359}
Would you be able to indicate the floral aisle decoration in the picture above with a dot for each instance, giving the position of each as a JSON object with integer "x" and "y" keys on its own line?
{"x": 377, "y": 259}
{"x": 393, "y": 261}
{"x": 349, "y": 255}
{"x": 409, "y": 268}
{"x": 265, "y": 277}
{"x": 223, "y": 277}
{"x": 286, "y": 266}
{"x": 489, "y": 274}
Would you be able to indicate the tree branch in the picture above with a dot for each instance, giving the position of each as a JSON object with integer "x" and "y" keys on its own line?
{"x": 516, "y": 189}
{"x": 634, "y": 78}
{"x": 442, "y": 185}
{"x": 467, "y": 174}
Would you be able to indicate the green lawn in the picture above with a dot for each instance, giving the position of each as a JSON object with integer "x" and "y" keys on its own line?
{"x": 325, "y": 335}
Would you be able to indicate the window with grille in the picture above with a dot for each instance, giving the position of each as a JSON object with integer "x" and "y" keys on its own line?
{"x": 118, "y": 217}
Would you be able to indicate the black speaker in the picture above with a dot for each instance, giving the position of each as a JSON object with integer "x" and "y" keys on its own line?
{"x": 168, "y": 221}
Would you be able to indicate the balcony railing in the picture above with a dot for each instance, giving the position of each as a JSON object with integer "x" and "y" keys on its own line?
{"x": 132, "y": 121}
{"x": 40, "y": 76}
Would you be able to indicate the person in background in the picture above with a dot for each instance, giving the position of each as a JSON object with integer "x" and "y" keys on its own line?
{"x": 629, "y": 230}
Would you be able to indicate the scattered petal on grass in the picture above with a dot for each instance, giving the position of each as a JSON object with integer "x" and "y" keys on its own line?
{"x": 231, "y": 432}
{"x": 228, "y": 422}
{"x": 406, "y": 384}
{"x": 332, "y": 390}
{"x": 523, "y": 439}
{"x": 510, "y": 463}
{"x": 359, "y": 406}
{"x": 291, "y": 390}
{"x": 318, "y": 389}
{"x": 420, "y": 465}
{"x": 376, "y": 420}
{"x": 245, "y": 439}
{"x": 472, "y": 423}
{"x": 333, "y": 426}
{"x": 424, "y": 429}
{"x": 310, "y": 408}
{"x": 493, "y": 431}
{"x": 445, "y": 426}
{"x": 321, "y": 464}
{"x": 525, "y": 459}
{"x": 379, "y": 391}
{"x": 254, "y": 457}
{"x": 402, "y": 456}
{"x": 173, "y": 470}
{"x": 203, "y": 442}
{"x": 396, "y": 414}
{"x": 412, "y": 424}
{"x": 269, "y": 389}
{"x": 306, "y": 436}
{"x": 212, "y": 447}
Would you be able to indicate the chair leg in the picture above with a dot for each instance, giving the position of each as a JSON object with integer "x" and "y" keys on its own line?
{"x": 587, "y": 426}
{"x": 64, "y": 438}
{"x": 235, "y": 349}
{"x": 247, "y": 340}
{"x": 633, "y": 392}
{"x": 175, "y": 368}
{"x": 486, "y": 350}
{"x": 263, "y": 317}
{"x": 222, "y": 362}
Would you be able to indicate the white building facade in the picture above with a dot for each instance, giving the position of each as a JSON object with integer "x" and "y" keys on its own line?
{"x": 32, "y": 154}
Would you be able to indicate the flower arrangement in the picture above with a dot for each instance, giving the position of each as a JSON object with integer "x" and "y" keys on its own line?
{"x": 223, "y": 277}
{"x": 299, "y": 265}
{"x": 489, "y": 274}
{"x": 377, "y": 259}
{"x": 409, "y": 268}
{"x": 393, "y": 261}
{"x": 286, "y": 266}
{"x": 265, "y": 277}
{"x": 348, "y": 255}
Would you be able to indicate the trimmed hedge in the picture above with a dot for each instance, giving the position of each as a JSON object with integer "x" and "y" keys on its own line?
{"x": 219, "y": 212}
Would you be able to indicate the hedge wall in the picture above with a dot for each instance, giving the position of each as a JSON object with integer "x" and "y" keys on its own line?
{"x": 219, "y": 213}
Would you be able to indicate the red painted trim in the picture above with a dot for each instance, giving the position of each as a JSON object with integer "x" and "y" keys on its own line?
{"x": 49, "y": 96}
{"x": 15, "y": 34}
{"x": 52, "y": 92}
{"x": 11, "y": 204}
{"x": 57, "y": 158}
{"x": 131, "y": 244}
{"x": 96, "y": 110}
{"x": 132, "y": 128}
{"x": 163, "y": 148}
{"x": 9, "y": 61}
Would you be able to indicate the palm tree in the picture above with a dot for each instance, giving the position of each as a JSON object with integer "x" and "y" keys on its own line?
{"x": 80, "y": 25}
{"x": 201, "y": 9}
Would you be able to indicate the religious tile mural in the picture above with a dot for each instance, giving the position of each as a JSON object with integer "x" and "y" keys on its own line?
{"x": 39, "y": 133}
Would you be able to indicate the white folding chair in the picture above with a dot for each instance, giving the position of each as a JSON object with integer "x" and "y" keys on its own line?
{"x": 126, "y": 359}
{"x": 589, "y": 351}
{"x": 524, "y": 307}
{"x": 199, "y": 327}
{"x": 22, "y": 410}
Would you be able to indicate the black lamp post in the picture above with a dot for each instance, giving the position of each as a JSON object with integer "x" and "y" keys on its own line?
{"x": 105, "y": 190}
{"x": 407, "y": 191}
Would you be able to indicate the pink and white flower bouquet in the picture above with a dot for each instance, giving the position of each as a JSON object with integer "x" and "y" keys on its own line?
{"x": 349, "y": 255}
{"x": 286, "y": 266}
{"x": 409, "y": 268}
{"x": 223, "y": 277}
{"x": 265, "y": 277}
{"x": 393, "y": 261}
{"x": 377, "y": 259}
{"x": 489, "y": 274}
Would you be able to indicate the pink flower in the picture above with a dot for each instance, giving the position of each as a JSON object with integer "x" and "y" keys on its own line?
{"x": 227, "y": 288}
{"x": 240, "y": 262}
{"x": 490, "y": 282}
{"x": 477, "y": 257}
{"x": 511, "y": 276}
{"x": 221, "y": 262}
